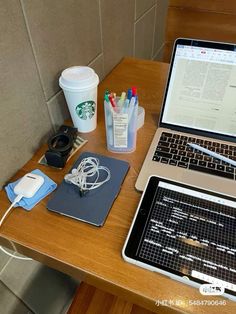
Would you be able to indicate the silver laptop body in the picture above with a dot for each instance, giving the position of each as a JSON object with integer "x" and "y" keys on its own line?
{"x": 199, "y": 105}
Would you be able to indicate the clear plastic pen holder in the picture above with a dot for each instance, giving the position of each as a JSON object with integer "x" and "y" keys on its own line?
{"x": 121, "y": 127}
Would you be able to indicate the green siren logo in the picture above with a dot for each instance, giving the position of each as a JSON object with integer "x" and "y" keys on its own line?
{"x": 86, "y": 109}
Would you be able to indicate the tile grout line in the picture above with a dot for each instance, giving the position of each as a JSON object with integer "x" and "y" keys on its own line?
{"x": 134, "y": 26}
{"x": 146, "y": 12}
{"x": 22, "y": 301}
{"x": 158, "y": 51}
{"x": 95, "y": 59}
{"x": 2, "y": 270}
{"x": 101, "y": 32}
{"x": 154, "y": 28}
{"x": 34, "y": 56}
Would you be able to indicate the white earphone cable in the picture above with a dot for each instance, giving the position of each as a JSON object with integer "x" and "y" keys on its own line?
{"x": 88, "y": 168}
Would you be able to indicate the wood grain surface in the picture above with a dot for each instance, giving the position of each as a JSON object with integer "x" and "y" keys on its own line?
{"x": 93, "y": 254}
{"x": 205, "y": 19}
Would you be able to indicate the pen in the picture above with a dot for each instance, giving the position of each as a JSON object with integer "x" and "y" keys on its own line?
{"x": 129, "y": 94}
{"x": 213, "y": 154}
{"x": 121, "y": 100}
{"x": 112, "y": 101}
{"x": 134, "y": 90}
{"x": 106, "y": 97}
{"x": 131, "y": 107}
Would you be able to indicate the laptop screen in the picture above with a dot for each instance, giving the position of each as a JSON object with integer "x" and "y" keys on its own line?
{"x": 201, "y": 91}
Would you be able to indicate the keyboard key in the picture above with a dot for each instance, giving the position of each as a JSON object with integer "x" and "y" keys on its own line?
{"x": 163, "y": 138}
{"x": 189, "y": 149}
{"x": 182, "y": 164}
{"x": 164, "y": 160}
{"x": 199, "y": 157}
{"x": 167, "y": 134}
{"x": 228, "y": 152}
{"x": 182, "y": 153}
{"x": 220, "y": 167}
{"x": 162, "y": 149}
{"x": 177, "y": 136}
{"x": 185, "y": 159}
{"x": 174, "y": 151}
{"x": 224, "y": 163}
{"x": 197, "y": 151}
{"x": 211, "y": 165}
{"x": 178, "y": 142}
{"x": 202, "y": 163}
{"x": 229, "y": 169}
{"x": 194, "y": 161}
{"x": 176, "y": 157}
{"x": 173, "y": 162}
{"x": 211, "y": 171}
{"x": 161, "y": 143}
{"x": 189, "y": 154}
{"x": 173, "y": 145}
{"x": 171, "y": 140}
{"x": 163, "y": 154}
{"x": 224, "y": 146}
{"x": 199, "y": 141}
{"x": 212, "y": 149}
{"x": 207, "y": 158}
{"x": 156, "y": 158}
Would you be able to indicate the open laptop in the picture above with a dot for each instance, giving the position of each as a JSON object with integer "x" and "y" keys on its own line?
{"x": 199, "y": 106}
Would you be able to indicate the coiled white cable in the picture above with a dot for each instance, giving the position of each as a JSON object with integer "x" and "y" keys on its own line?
{"x": 88, "y": 168}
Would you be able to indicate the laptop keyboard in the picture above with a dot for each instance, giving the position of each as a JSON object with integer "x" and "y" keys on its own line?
{"x": 172, "y": 149}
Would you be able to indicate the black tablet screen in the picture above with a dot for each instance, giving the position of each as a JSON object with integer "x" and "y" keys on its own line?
{"x": 186, "y": 231}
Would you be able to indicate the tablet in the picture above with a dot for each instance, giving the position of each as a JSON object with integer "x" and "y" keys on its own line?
{"x": 185, "y": 233}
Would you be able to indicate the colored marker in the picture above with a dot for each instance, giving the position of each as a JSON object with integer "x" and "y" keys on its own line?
{"x": 112, "y": 101}
{"x": 129, "y": 94}
{"x": 134, "y": 91}
{"x": 121, "y": 100}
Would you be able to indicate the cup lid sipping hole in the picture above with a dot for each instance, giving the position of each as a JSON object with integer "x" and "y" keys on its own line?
{"x": 78, "y": 77}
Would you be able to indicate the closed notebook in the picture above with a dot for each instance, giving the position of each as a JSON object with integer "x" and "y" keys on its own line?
{"x": 94, "y": 206}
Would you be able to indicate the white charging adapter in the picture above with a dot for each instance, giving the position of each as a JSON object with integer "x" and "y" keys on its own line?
{"x": 27, "y": 187}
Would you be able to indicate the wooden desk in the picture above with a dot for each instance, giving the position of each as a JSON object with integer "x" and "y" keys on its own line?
{"x": 93, "y": 254}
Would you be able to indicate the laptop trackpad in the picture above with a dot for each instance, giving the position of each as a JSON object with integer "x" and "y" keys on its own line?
{"x": 209, "y": 182}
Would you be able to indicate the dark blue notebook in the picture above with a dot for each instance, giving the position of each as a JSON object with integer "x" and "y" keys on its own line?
{"x": 94, "y": 206}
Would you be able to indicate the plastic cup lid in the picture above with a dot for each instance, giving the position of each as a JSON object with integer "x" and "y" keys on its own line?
{"x": 78, "y": 77}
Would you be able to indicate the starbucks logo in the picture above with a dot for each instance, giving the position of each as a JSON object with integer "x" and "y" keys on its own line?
{"x": 85, "y": 110}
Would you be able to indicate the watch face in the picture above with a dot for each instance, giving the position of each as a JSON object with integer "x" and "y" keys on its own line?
{"x": 86, "y": 110}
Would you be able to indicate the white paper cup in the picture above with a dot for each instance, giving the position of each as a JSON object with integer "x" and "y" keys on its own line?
{"x": 79, "y": 84}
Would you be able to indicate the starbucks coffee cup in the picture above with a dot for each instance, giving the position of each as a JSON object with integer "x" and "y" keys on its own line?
{"x": 79, "y": 84}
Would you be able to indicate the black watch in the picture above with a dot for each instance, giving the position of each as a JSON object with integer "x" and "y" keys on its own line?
{"x": 60, "y": 146}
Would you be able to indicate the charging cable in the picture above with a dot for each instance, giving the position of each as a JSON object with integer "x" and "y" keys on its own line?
{"x": 16, "y": 200}
{"x": 26, "y": 187}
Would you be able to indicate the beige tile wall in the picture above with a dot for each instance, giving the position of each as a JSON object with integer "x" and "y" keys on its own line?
{"x": 41, "y": 38}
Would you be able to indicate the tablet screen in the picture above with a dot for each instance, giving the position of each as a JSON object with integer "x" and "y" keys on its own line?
{"x": 185, "y": 231}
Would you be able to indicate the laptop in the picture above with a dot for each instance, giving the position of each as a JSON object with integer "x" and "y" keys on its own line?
{"x": 199, "y": 107}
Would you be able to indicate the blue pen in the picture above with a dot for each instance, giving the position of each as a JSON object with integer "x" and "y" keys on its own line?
{"x": 129, "y": 94}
